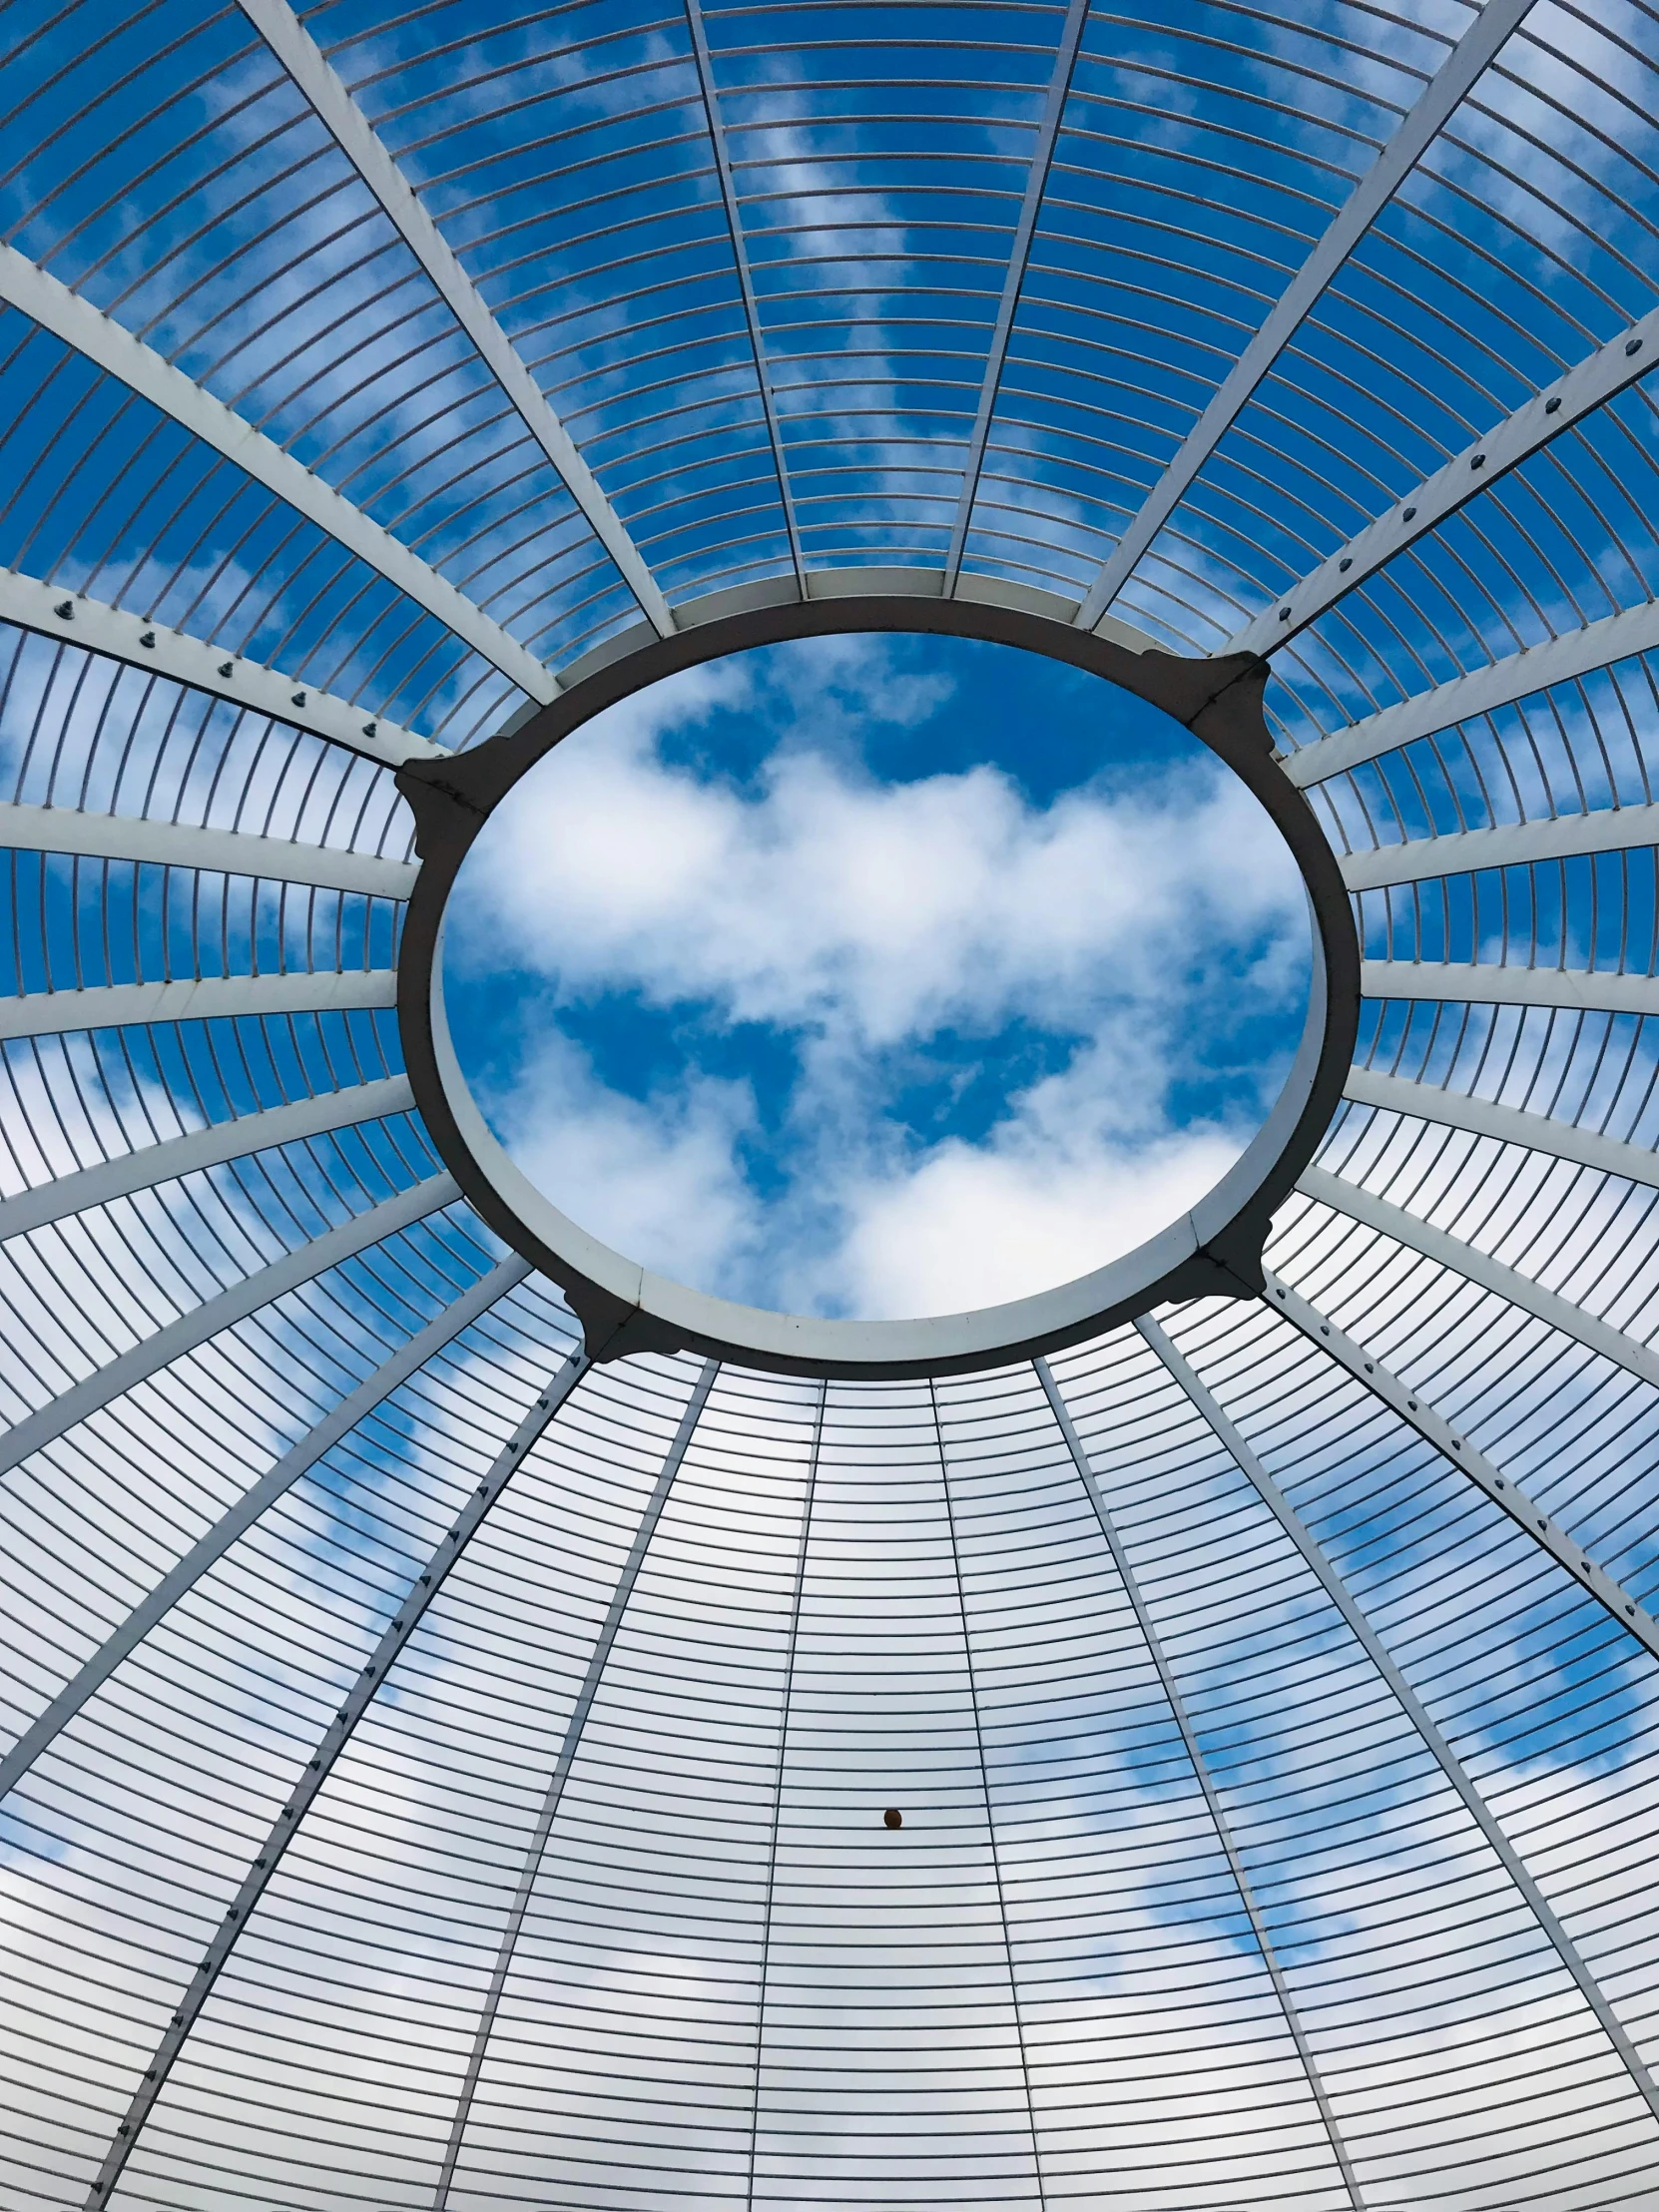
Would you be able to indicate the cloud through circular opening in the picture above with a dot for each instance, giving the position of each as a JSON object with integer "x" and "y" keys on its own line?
{"x": 877, "y": 977}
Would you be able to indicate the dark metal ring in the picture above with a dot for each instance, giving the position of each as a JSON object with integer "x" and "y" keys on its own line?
{"x": 1212, "y": 1250}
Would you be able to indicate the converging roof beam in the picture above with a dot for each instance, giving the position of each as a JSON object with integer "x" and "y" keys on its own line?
{"x": 1481, "y": 1269}
{"x": 745, "y": 281}
{"x": 1484, "y": 1117}
{"x": 1360, "y": 1627}
{"x": 251, "y": 1507}
{"x": 1511, "y": 844}
{"x": 1531, "y": 1518}
{"x": 215, "y": 1315}
{"x": 148, "y": 1165}
{"x": 987, "y": 1811}
{"x": 1483, "y": 984}
{"x": 113, "y": 349}
{"x": 109, "y": 631}
{"x": 785, "y": 1706}
{"x": 569, "y": 1746}
{"x": 1599, "y": 378}
{"x": 355, "y": 137}
{"x": 220, "y": 851}
{"x": 1482, "y": 692}
{"x": 196, "y": 998}
{"x": 315, "y": 1772}
{"x": 1201, "y": 1771}
{"x": 1444, "y": 92}
{"x": 1013, "y": 283}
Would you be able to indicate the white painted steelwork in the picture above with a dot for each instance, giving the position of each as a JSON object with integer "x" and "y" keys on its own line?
{"x": 119, "y": 636}
{"x": 1270, "y": 1746}
{"x": 1487, "y": 1117}
{"x": 117, "y": 353}
{"x": 207, "y": 999}
{"x": 1449, "y": 87}
{"x": 1477, "y": 982}
{"x": 180, "y": 845}
{"x": 288, "y": 38}
{"x": 202, "y": 1323}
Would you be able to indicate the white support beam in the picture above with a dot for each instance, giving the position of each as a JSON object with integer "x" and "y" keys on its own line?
{"x": 211, "y": 999}
{"x": 148, "y": 1165}
{"x": 745, "y": 280}
{"x": 1596, "y": 379}
{"x": 1531, "y": 1518}
{"x": 113, "y": 349}
{"x": 1484, "y": 1117}
{"x": 353, "y": 132}
{"x": 1511, "y": 844}
{"x": 1430, "y": 1734}
{"x": 1013, "y": 283}
{"x": 52, "y": 612}
{"x": 251, "y": 1506}
{"x": 313, "y": 1775}
{"x": 215, "y": 1315}
{"x": 1483, "y": 692}
{"x": 220, "y": 851}
{"x": 1481, "y": 983}
{"x": 569, "y": 1745}
{"x": 1200, "y": 1765}
{"x": 1429, "y": 116}
{"x": 1479, "y": 1268}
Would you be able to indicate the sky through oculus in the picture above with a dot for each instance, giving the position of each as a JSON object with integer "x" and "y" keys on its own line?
{"x": 872, "y": 976}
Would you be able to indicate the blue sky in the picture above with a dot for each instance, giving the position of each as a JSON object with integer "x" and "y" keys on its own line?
{"x": 864, "y": 974}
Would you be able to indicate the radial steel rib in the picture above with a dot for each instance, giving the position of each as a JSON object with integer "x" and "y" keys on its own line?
{"x": 147, "y": 1165}
{"x": 1020, "y": 255}
{"x": 113, "y": 349}
{"x": 745, "y": 281}
{"x": 1448, "y": 87}
{"x": 568, "y": 1748}
{"x": 796, "y": 1595}
{"x": 1483, "y": 691}
{"x": 222, "y": 852}
{"x": 1483, "y": 984}
{"x": 1410, "y": 1704}
{"x": 255, "y": 1503}
{"x": 1201, "y": 1771}
{"x": 1484, "y": 1117}
{"x": 179, "y": 659}
{"x": 198, "y": 998}
{"x": 1531, "y": 1518}
{"x": 315, "y": 1772}
{"x": 152, "y": 1352}
{"x": 353, "y": 132}
{"x": 1599, "y": 378}
{"x": 987, "y": 1811}
{"x": 1481, "y": 1268}
{"x": 1511, "y": 844}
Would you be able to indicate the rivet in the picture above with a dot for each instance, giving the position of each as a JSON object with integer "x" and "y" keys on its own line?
{"x": 225, "y": 667}
{"x": 298, "y": 698}
{"x": 1410, "y": 514}
{"x": 1284, "y": 614}
{"x": 369, "y": 729}
{"x": 1553, "y": 406}
{"x": 1632, "y": 345}
{"x": 148, "y": 637}
{"x": 1478, "y": 460}
{"x": 1344, "y": 564}
{"x": 65, "y": 610}
{"x": 892, "y": 1818}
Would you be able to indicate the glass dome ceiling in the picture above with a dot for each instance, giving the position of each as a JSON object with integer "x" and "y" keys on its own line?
{"x": 445, "y": 1772}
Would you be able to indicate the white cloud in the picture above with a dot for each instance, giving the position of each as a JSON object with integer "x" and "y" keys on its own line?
{"x": 859, "y": 919}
